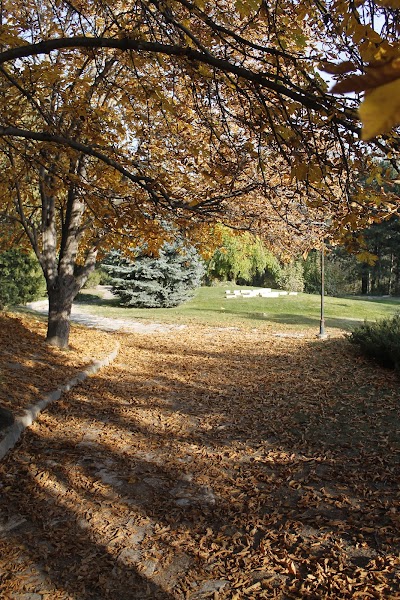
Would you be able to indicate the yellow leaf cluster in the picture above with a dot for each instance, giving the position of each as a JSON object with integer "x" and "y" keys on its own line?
{"x": 380, "y": 110}
{"x": 367, "y": 257}
{"x": 395, "y": 4}
{"x": 380, "y": 82}
{"x": 247, "y": 7}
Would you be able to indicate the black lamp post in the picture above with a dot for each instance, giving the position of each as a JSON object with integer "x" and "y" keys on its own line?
{"x": 322, "y": 334}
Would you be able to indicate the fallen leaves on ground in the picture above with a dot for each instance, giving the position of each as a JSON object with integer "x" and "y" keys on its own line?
{"x": 214, "y": 464}
{"x": 30, "y": 368}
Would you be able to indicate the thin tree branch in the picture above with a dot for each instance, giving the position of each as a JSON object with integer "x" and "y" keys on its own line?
{"x": 345, "y": 118}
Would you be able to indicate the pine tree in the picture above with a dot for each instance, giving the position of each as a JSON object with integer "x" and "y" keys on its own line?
{"x": 156, "y": 282}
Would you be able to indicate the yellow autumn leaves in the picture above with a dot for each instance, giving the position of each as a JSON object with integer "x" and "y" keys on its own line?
{"x": 380, "y": 109}
{"x": 380, "y": 82}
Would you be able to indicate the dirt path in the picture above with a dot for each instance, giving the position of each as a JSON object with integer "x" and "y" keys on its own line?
{"x": 225, "y": 465}
{"x": 106, "y": 323}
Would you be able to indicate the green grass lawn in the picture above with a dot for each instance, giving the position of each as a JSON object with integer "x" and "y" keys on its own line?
{"x": 209, "y": 306}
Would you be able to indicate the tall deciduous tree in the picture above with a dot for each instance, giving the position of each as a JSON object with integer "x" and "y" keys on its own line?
{"x": 115, "y": 117}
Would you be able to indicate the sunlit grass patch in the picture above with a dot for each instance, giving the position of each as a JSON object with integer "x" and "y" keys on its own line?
{"x": 210, "y": 306}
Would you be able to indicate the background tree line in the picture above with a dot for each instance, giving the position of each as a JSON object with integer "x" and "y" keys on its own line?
{"x": 246, "y": 260}
{"x": 170, "y": 278}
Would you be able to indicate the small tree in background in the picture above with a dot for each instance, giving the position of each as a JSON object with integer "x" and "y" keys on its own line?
{"x": 21, "y": 278}
{"x": 156, "y": 282}
{"x": 312, "y": 273}
{"x": 291, "y": 277}
{"x": 98, "y": 277}
{"x": 243, "y": 258}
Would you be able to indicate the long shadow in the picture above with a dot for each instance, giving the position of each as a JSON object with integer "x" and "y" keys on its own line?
{"x": 58, "y": 551}
{"x": 320, "y": 414}
{"x": 330, "y": 322}
{"x": 290, "y": 318}
{"x": 378, "y": 299}
{"x": 279, "y": 455}
{"x": 95, "y": 300}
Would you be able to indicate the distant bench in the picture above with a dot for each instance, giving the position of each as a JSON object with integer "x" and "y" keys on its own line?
{"x": 261, "y": 292}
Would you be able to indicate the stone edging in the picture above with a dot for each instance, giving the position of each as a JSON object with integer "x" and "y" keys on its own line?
{"x": 13, "y": 433}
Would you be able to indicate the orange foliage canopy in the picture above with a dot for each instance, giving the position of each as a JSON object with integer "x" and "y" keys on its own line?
{"x": 117, "y": 118}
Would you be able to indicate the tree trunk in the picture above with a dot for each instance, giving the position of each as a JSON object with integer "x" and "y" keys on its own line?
{"x": 58, "y": 326}
{"x": 391, "y": 273}
{"x": 365, "y": 281}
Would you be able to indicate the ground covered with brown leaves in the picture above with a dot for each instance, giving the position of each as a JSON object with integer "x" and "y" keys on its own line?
{"x": 29, "y": 368}
{"x": 209, "y": 463}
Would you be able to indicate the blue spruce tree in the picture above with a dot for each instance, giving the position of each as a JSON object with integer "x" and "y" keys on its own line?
{"x": 156, "y": 282}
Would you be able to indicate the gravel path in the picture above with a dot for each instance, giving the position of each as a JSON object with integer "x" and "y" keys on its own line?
{"x": 105, "y": 323}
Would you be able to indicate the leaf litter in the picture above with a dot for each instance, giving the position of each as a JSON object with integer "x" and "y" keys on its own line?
{"x": 29, "y": 368}
{"x": 209, "y": 464}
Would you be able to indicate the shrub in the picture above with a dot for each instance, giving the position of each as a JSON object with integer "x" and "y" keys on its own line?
{"x": 98, "y": 277}
{"x": 380, "y": 341}
{"x": 21, "y": 278}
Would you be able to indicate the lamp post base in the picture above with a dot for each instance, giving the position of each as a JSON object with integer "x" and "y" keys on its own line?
{"x": 323, "y": 336}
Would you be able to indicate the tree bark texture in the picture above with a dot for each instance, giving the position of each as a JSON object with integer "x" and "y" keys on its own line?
{"x": 60, "y": 305}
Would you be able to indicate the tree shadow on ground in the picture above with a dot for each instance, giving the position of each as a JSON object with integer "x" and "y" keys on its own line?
{"x": 235, "y": 461}
{"x": 85, "y": 298}
{"x": 293, "y": 319}
{"x": 290, "y": 318}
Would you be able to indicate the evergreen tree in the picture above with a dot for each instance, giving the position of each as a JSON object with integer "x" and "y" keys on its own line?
{"x": 348, "y": 273}
{"x": 21, "y": 279}
{"x": 383, "y": 241}
{"x": 156, "y": 282}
